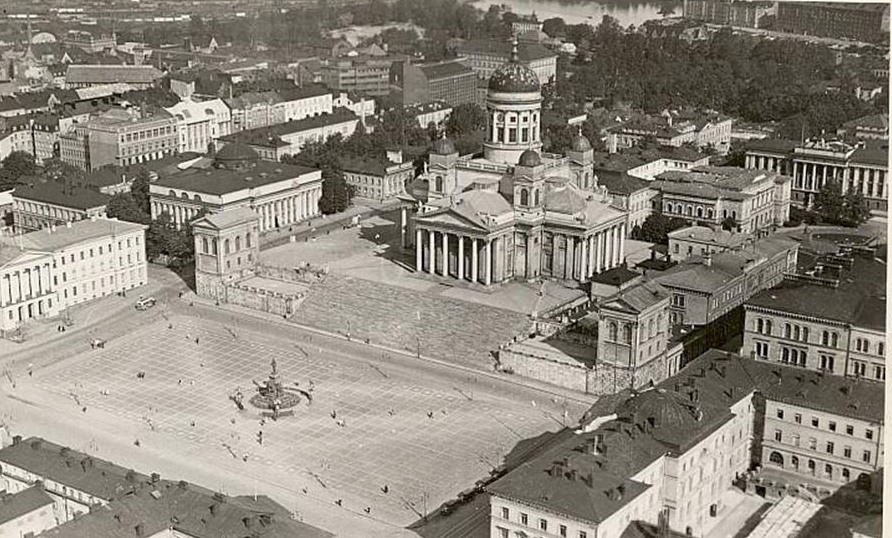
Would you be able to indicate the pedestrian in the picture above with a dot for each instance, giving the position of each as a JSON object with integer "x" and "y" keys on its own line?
{"x": 170, "y": 325}
{"x": 430, "y": 414}
{"x": 245, "y": 458}
{"x": 334, "y": 414}
{"x": 368, "y": 509}
{"x": 136, "y": 442}
{"x": 196, "y": 340}
{"x": 385, "y": 489}
{"x": 339, "y": 502}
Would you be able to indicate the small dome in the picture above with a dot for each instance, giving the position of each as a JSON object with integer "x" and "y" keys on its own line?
{"x": 236, "y": 155}
{"x": 443, "y": 146}
{"x": 580, "y": 143}
{"x": 529, "y": 158}
{"x": 514, "y": 77}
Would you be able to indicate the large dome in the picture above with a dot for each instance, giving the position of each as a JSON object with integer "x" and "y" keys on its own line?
{"x": 236, "y": 156}
{"x": 514, "y": 77}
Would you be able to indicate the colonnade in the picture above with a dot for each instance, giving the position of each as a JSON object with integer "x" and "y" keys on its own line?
{"x": 585, "y": 256}
{"x": 23, "y": 284}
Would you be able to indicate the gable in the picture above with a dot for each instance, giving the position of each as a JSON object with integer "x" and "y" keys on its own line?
{"x": 618, "y": 305}
{"x": 449, "y": 218}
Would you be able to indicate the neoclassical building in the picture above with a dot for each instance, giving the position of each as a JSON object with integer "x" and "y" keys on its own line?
{"x": 281, "y": 194}
{"x": 515, "y": 212}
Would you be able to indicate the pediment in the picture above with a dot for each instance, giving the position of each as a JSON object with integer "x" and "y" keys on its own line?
{"x": 449, "y": 218}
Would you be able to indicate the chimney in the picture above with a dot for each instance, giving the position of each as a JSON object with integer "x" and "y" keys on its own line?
{"x": 16, "y": 439}
{"x": 215, "y": 508}
{"x": 155, "y": 478}
{"x": 707, "y": 259}
{"x": 183, "y": 485}
{"x": 140, "y": 530}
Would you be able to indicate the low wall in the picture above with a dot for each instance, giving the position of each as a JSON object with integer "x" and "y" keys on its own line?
{"x": 520, "y": 361}
{"x": 263, "y": 300}
{"x": 305, "y": 274}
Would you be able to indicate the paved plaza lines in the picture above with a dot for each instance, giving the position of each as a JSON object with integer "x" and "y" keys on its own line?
{"x": 388, "y": 438}
{"x": 456, "y": 331}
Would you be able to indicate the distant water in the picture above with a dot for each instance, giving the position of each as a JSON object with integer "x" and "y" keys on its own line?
{"x": 626, "y": 12}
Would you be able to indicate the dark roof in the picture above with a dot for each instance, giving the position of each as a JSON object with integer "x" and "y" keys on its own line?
{"x": 268, "y": 135}
{"x": 874, "y": 155}
{"x": 373, "y": 166}
{"x": 859, "y": 299}
{"x": 236, "y": 152}
{"x": 873, "y": 121}
{"x": 304, "y": 92}
{"x": 188, "y": 509}
{"x": 615, "y": 276}
{"x": 18, "y": 504}
{"x": 526, "y": 52}
{"x": 620, "y": 182}
{"x": 442, "y": 70}
{"x": 69, "y": 467}
{"x": 108, "y": 74}
{"x": 443, "y": 146}
{"x": 870, "y": 526}
{"x": 640, "y": 529}
{"x": 56, "y": 193}
{"x": 217, "y": 181}
{"x": 773, "y": 145}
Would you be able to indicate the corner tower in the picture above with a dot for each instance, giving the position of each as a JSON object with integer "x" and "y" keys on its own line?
{"x": 513, "y": 106}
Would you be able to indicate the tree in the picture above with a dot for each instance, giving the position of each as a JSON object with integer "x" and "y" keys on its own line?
{"x": 856, "y": 211}
{"x": 656, "y": 228}
{"x": 729, "y": 223}
{"x": 139, "y": 189}
{"x": 123, "y": 206}
{"x": 336, "y": 193}
{"x": 830, "y": 203}
{"x": 465, "y": 119}
{"x": 15, "y": 166}
{"x": 554, "y": 27}
{"x": 159, "y": 235}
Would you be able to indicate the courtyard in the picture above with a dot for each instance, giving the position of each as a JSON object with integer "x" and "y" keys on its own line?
{"x": 387, "y": 438}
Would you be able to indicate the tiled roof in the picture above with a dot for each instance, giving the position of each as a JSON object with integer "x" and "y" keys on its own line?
{"x": 858, "y": 300}
{"x": 878, "y": 156}
{"x": 718, "y": 236}
{"x": 18, "y": 504}
{"x": 187, "y": 510}
{"x": 78, "y": 232}
{"x": 218, "y": 181}
{"x": 641, "y": 296}
{"x": 373, "y": 166}
{"x": 55, "y": 193}
{"x": 873, "y": 121}
{"x": 230, "y": 217}
{"x": 71, "y": 468}
{"x": 443, "y": 70}
{"x": 615, "y": 276}
{"x": 108, "y": 74}
{"x": 304, "y": 92}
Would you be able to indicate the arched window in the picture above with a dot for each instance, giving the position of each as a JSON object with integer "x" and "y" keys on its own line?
{"x": 700, "y": 212}
{"x": 524, "y": 197}
{"x": 184, "y": 195}
{"x": 768, "y": 326}
{"x": 536, "y": 197}
{"x": 226, "y": 246}
{"x": 204, "y": 245}
{"x": 612, "y": 329}
{"x": 627, "y": 333}
{"x": 214, "y": 247}
{"x": 248, "y": 240}
{"x": 794, "y": 461}
{"x": 689, "y": 211}
{"x": 776, "y": 458}
{"x": 796, "y": 332}
{"x": 825, "y": 338}
{"x": 811, "y": 466}
{"x": 668, "y": 208}
{"x": 834, "y": 339}
{"x": 760, "y": 325}
{"x": 439, "y": 184}
{"x": 881, "y": 349}
{"x": 709, "y": 213}
{"x": 238, "y": 243}
{"x": 805, "y": 334}
{"x": 171, "y": 193}
{"x": 650, "y": 328}
{"x": 197, "y": 198}
{"x": 788, "y": 330}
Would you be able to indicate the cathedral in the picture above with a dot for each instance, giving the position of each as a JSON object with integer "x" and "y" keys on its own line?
{"x": 515, "y": 212}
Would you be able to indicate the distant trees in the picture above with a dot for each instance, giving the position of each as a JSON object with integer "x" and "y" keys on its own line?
{"x": 554, "y": 27}
{"x": 836, "y": 207}
{"x": 465, "y": 119}
{"x": 14, "y": 167}
{"x": 656, "y": 228}
{"x": 729, "y": 223}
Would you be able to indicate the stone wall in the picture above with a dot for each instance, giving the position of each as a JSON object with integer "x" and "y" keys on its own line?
{"x": 517, "y": 360}
{"x": 306, "y": 274}
{"x": 262, "y": 300}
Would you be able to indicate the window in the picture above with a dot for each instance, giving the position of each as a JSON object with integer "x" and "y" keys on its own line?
{"x": 582, "y": 534}
{"x": 762, "y": 349}
{"x": 795, "y": 439}
{"x": 868, "y": 433}
{"x": 780, "y": 414}
{"x": 881, "y": 349}
{"x": 829, "y": 447}
{"x": 850, "y": 430}
{"x": 503, "y": 533}
{"x": 832, "y": 426}
{"x": 797, "y": 418}
{"x": 879, "y": 372}
{"x": 846, "y": 475}
{"x": 612, "y": 331}
{"x": 562, "y": 530}
{"x": 812, "y": 443}
{"x": 827, "y": 362}
{"x": 866, "y": 456}
{"x": 778, "y": 436}
{"x": 543, "y": 525}
{"x": 627, "y": 333}
{"x": 505, "y": 513}
{"x": 847, "y": 451}
{"x": 815, "y": 423}
{"x": 828, "y": 469}
{"x": 523, "y": 519}
{"x": 678, "y": 300}
{"x": 788, "y": 330}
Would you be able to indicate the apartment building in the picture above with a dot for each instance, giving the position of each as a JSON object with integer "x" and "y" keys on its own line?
{"x": 706, "y": 286}
{"x": 366, "y": 74}
{"x": 873, "y": 127}
{"x": 703, "y": 240}
{"x": 88, "y": 42}
{"x": 863, "y": 21}
{"x": 862, "y": 166}
{"x": 756, "y": 200}
{"x": 26, "y": 513}
{"x": 450, "y": 81}
{"x": 200, "y": 123}
{"x": 140, "y": 77}
{"x": 674, "y": 129}
{"x": 833, "y": 323}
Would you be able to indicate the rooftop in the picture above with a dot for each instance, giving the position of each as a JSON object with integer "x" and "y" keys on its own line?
{"x": 15, "y": 505}
{"x": 526, "y": 52}
{"x": 78, "y": 232}
{"x": 205, "y": 179}
{"x": 268, "y": 135}
{"x": 705, "y": 234}
{"x": 71, "y": 468}
{"x": 772, "y": 145}
{"x": 230, "y": 217}
{"x": 109, "y": 74}
{"x": 448, "y": 69}
{"x": 50, "y": 192}
{"x": 373, "y": 166}
{"x": 859, "y": 299}
{"x": 620, "y": 182}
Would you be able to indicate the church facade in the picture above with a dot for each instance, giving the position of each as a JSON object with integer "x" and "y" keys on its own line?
{"x": 515, "y": 212}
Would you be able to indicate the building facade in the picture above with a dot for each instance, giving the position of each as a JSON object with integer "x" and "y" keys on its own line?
{"x": 860, "y": 21}
{"x": 200, "y": 123}
{"x": 369, "y": 75}
{"x": 832, "y": 323}
{"x": 811, "y": 164}
{"x": 279, "y": 193}
{"x": 41, "y": 205}
{"x": 450, "y": 81}
{"x": 88, "y": 42}
{"x": 484, "y": 57}
{"x": 378, "y": 179}
{"x": 729, "y": 12}
{"x": 26, "y": 288}
{"x": 227, "y": 246}
{"x": 26, "y": 513}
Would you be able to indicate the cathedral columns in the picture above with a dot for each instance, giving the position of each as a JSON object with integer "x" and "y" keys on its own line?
{"x": 622, "y": 243}
{"x": 568, "y": 257}
{"x": 445, "y": 254}
{"x": 418, "y": 251}
{"x": 599, "y": 245}
{"x": 432, "y": 252}
{"x": 403, "y": 221}
{"x": 583, "y": 259}
{"x": 461, "y": 258}
{"x": 608, "y": 250}
{"x": 474, "y": 252}
{"x": 487, "y": 255}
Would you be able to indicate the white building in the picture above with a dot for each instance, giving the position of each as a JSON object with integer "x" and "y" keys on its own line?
{"x": 281, "y": 194}
{"x": 26, "y": 513}
{"x": 200, "y": 123}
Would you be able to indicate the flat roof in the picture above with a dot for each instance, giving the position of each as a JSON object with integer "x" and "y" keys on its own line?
{"x": 15, "y": 505}
{"x": 218, "y": 181}
{"x": 77, "y": 232}
{"x": 54, "y": 193}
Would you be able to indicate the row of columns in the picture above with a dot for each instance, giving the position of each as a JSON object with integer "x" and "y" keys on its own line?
{"x": 812, "y": 176}
{"x": 595, "y": 252}
{"x": 25, "y": 284}
{"x": 289, "y": 210}
{"x": 481, "y": 256}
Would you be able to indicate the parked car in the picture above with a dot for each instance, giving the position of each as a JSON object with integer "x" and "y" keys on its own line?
{"x": 145, "y": 303}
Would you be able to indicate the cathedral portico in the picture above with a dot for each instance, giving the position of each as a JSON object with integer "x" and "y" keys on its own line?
{"x": 467, "y": 256}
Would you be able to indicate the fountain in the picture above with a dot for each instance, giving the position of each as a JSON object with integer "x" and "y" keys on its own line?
{"x": 272, "y": 397}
